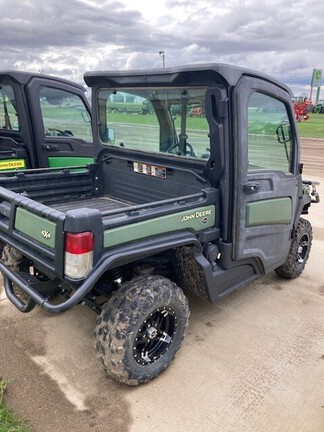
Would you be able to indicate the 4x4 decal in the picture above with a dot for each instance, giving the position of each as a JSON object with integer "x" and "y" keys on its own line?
{"x": 46, "y": 234}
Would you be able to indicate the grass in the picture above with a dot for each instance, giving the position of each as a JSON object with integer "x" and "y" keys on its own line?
{"x": 9, "y": 422}
{"x": 313, "y": 127}
{"x": 196, "y": 123}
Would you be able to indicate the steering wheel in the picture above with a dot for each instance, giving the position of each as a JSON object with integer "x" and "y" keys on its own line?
{"x": 191, "y": 151}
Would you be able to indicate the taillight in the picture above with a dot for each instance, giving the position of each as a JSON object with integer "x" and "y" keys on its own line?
{"x": 78, "y": 254}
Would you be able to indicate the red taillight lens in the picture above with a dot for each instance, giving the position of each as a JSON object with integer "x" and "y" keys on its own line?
{"x": 79, "y": 243}
{"x": 78, "y": 258}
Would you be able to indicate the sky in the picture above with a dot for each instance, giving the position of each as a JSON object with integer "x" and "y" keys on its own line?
{"x": 283, "y": 38}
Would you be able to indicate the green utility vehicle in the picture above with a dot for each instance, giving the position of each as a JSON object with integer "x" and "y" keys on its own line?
{"x": 45, "y": 121}
{"x": 173, "y": 203}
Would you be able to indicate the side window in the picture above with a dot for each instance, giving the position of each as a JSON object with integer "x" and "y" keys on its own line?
{"x": 270, "y": 141}
{"x": 8, "y": 113}
{"x": 64, "y": 114}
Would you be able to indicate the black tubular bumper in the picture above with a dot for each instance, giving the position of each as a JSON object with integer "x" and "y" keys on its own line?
{"x": 120, "y": 256}
{"x": 10, "y": 278}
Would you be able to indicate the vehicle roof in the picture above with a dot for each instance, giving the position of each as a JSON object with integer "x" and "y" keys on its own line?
{"x": 197, "y": 74}
{"x": 23, "y": 77}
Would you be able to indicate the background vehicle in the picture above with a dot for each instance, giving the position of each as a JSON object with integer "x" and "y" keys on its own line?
{"x": 197, "y": 111}
{"x": 172, "y": 204}
{"x": 44, "y": 122}
{"x": 318, "y": 108}
{"x": 302, "y": 108}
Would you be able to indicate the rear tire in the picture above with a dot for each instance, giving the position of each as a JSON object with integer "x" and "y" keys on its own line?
{"x": 299, "y": 251}
{"x": 141, "y": 328}
{"x": 13, "y": 259}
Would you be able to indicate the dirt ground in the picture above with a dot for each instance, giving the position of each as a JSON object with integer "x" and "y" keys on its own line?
{"x": 253, "y": 362}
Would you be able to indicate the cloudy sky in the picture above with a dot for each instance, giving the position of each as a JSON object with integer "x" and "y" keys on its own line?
{"x": 284, "y": 38}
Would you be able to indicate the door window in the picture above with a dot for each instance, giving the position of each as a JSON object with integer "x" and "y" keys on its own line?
{"x": 270, "y": 140}
{"x": 64, "y": 114}
{"x": 8, "y": 112}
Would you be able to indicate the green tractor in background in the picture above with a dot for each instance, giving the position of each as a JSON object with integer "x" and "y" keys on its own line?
{"x": 318, "y": 108}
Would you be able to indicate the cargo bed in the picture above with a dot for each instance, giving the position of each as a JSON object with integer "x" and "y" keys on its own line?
{"x": 104, "y": 204}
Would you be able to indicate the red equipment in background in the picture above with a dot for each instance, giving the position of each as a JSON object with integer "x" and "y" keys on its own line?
{"x": 302, "y": 107}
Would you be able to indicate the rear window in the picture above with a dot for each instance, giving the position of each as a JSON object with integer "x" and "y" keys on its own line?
{"x": 156, "y": 120}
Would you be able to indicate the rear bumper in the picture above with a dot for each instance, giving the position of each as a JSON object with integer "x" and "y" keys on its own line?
{"x": 116, "y": 257}
{"x": 11, "y": 278}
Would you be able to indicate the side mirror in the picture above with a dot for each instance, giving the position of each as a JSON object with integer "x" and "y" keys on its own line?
{"x": 85, "y": 116}
{"x": 283, "y": 133}
{"x": 111, "y": 136}
{"x": 107, "y": 135}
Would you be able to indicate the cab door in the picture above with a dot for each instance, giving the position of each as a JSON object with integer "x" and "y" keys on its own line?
{"x": 13, "y": 142}
{"x": 266, "y": 184}
{"x": 62, "y": 123}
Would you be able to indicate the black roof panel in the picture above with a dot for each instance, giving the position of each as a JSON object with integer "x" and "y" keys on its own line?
{"x": 197, "y": 74}
{"x": 24, "y": 77}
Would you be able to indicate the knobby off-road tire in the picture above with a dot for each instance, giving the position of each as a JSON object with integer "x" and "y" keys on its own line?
{"x": 141, "y": 328}
{"x": 14, "y": 260}
{"x": 299, "y": 251}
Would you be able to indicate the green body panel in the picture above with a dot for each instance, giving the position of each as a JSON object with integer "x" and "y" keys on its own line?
{"x": 63, "y": 161}
{"x": 272, "y": 211}
{"x": 36, "y": 227}
{"x": 12, "y": 164}
{"x": 194, "y": 220}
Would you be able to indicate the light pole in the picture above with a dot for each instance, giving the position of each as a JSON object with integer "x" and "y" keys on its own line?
{"x": 162, "y": 54}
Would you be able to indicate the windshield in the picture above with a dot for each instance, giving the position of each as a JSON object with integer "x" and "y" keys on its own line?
{"x": 158, "y": 120}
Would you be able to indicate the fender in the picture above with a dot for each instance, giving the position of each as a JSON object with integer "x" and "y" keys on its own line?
{"x": 118, "y": 256}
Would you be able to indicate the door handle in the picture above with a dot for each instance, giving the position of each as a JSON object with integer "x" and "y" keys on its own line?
{"x": 251, "y": 187}
{"x": 50, "y": 147}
